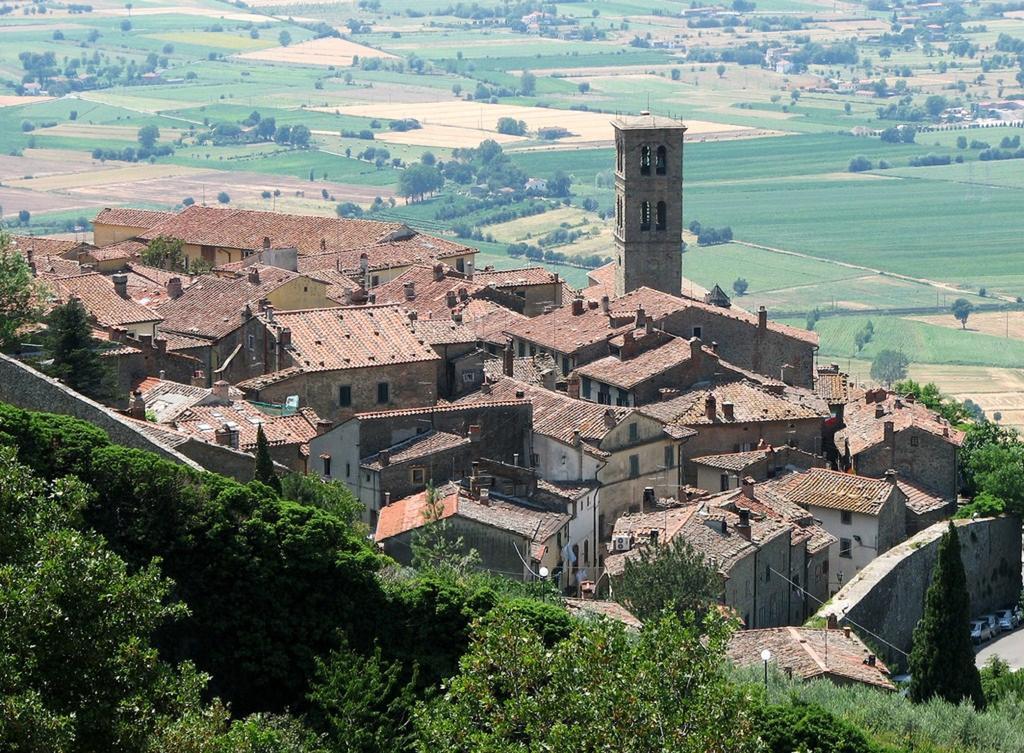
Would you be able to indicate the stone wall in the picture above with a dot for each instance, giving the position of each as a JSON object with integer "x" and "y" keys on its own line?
{"x": 887, "y": 597}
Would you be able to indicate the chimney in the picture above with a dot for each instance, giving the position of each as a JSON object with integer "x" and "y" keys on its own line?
{"x": 831, "y": 622}
{"x": 474, "y": 433}
{"x": 709, "y": 406}
{"x": 457, "y": 317}
{"x": 269, "y": 312}
{"x": 323, "y": 244}
{"x": 846, "y": 631}
{"x": 284, "y": 338}
{"x": 743, "y": 525}
{"x": 174, "y": 289}
{"x": 384, "y": 457}
{"x": 605, "y": 304}
{"x": 120, "y": 281}
{"x": 515, "y": 459}
{"x": 485, "y": 388}
{"x": 592, "y": 304}
{"x": 198, "y": 378}
{"x": 728, "y": 411}
{"x": 138, "y": 406}
{"x": 463, "y": 294}
{"x": 667, "y": 393}
{"x": 220, "y": 390}
{"x": 507, "y": 359}
{"x": 160, "y": 343}
{"x": 714, "y": 347}
{"x": 475, "y": 469}
{"x": 410, "y": 290}
{"x": 451, "y": 299}
{"x": 266, "y": 243}
{"x": 438, "y": 272}
{"x": 870, "y": 661}
{"x": 573, "y": 387}
{"x": 747, "y": 487}
{"x": 787, "y": 374}
{"x": 520, "y": 394}
{"x": 649, "y": 326}
{"x": 892, "y": 476}
{"x": 641, "y": 317}
{"x": 323, "y": 426}
{"x": 890, "y": 435}
{"x": 762, "y": 318}
{"x": 254, "y": 276}
{"x": 485, "y": 496}
{"x": 413, "y": 315}
{"x": 649, "y": 498}
{"x": 628, "y": 346}
{"x": 387, "y": 498}
{"x": 609, "y": 418}
{"x": 226, "y": 436}
{"x": 577, "y": 306}
{"x": 163, "y": 375}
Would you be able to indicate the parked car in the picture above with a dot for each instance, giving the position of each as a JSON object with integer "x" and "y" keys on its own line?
{"x": 1007, "y": 620}
{"x": 1018, "y": 613}
{"x": 993, "y": 623}
{"x": 980, "y": 631}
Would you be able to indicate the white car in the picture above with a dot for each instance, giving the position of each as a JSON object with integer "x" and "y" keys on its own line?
{"x": 993, "y": 623}
{"x": 980, "y": 631}
{"x": 1007, "y": 620}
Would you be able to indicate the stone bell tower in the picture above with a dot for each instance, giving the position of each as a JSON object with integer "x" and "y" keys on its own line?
{"x": 648, "y": 204}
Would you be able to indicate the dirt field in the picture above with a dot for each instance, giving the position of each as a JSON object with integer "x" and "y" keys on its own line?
{"x": 998, "y": 323}
{"x": 103, "y": 178}
{"x": 178, "y": 10}
{"x": 41, "y": 162}
{"x": 13, "y": 200}
{"x": 324, "y": 51}
{"x": 12, "y": 100}
{"x": 115, "y": 133}
{"x": 481, "y": 119}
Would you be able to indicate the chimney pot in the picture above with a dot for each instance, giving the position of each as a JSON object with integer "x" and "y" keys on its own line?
{"x": 879, "y": 410}
{"x": 846, "y": 631}
{"x": 451, "y": 299}
{"x": 577, "y": 306}
{"x": 174, "y": 288}
{"x": 254, "y": 276}
{"x": 138, "y": 406}
{"x": 387, "y": 498}
{"x": 747, "y": 486}
{"x": 872, "y": 660}
{"x": 573, "y": 389}
{"x": 438, "y": 272}
{"x": 220, "y": 390}
{"x": 266, "y": 243}
{"x": 410, "y": 290}
{"x": 485, "y": 496}
{"x": 120, "y": 281}
{"x": 709, "y": 406}
{"x": 762, "y": 318}
{"x": 605, "y": 304}
{"x": 831, "y": 622}
{"x": 892, "y": 476}
{"x": 641, "y": 317}
{"x": 728, "y": 411}
{"x": 474, "y": 432}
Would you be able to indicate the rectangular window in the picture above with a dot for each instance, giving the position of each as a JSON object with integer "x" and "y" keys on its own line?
{"x": 327, "y": 465}
{"x": 634, "y": 466}
{"x": 348, "y": 470}
{"x": 698, "y": 331}
{"x": 252, "y": 342}
{"x": 383, "y": 392}
{"x": 670, "y": 457}
{"x": 846, "y": 548}
{"x": 344, "y": 395}
{"x": 375, "y": 281}
{"x": 915, "y": 441}
{"x": 846, "y": 517}
{"x": 585, "y": 387}
{"x": 634, "y": 432}
{"x": 522, "y": 349}
{"x": 566, "y": 366}
{"x": 723, "y": 482}
{"x": 417, "y": 475}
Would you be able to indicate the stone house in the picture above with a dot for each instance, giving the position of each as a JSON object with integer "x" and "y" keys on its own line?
{"x": 390, "y": 454}
{"x": 537, "y": 287}
{"x": 812, "y": 654}
{"x": 725, "y": 471}
{"x": 740, "y": 416}
{"x": 113, "y": 225}
{"x": 108, "y": 304}
{"x": 867, "y": 515}
{"x": 512, "y": 538}
{"x": 620, "y": 449}
{"x": 884, "y": 430}
{"x": 752, "y": 555}
{"x": 213, "y": 319}
{"x": 342, "y": 361}
{"x": 461, "y": 365}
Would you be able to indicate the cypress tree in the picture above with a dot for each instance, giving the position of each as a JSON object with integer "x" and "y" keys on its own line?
{"x": 264, "y": 464}
{"x": 942, "y": 659}
{"x": 76, "y": 361}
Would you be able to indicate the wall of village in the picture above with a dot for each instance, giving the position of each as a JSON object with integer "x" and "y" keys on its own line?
{"x": 497, "y": 548}
{"x": 300, "y": 293}
{"x": 887, "y": 597}
{"x": 931, "y": 462}
{"x": 721, "y": 438}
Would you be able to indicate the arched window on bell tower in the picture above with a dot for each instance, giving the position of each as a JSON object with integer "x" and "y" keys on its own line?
{"x": 661, "y": 161}
{"x": 645, "y": 160}
{"x": 645, "y": 215}
{"x": 661, "y": 216}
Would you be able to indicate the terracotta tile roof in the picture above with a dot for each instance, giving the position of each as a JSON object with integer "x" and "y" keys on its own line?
{"x": 158, "y": 276}
{"x": 129, "y": 217}
{"x": 352, "y": 337}
{"x": 427, "y": 410}
{"x": 415, "y": 448}
{"x": 555, "y": 414}
{"x": 835, "y": 490}
{"x": 124, "y": 250}
{"x": 516, "y": 278}
{"x": 865, "y": 429}
{"x": 340, "y": 286}
{"x": 41, "y": 246}
{"x": 601, "y": 281}
{"x": 767, "y": 504}
{"x": 490, "y": 320}
{"x": 202, "y": 421}
{"x": 443, "y": 332}
{"x": 590, "y": 608}
{"x": 752, "y": 403}
{"x": 832, "y": 385}
{"x": 181, "y": 342}
{"x": 920, "y": 500}
{"x": 408, "y": 514}
{"x": 431, "y": 299}
{"x": 102, "y": 302}
{"x": 55, "y": 266}
{"x": 732, "y": 461}
{"x": 166, "y": 399}
{"x": 213, "y": 307}
{"x": 246, "y": 229}
{"x": 528, "y": 369}
{"x": 803, "y": 651}
{"x": 631, "y": 372}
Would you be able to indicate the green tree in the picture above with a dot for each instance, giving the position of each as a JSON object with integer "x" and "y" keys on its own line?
{"x": 223, "y": 197}
{"x": 284, "y": 38}
{"x": 148, "y": 136}
{"x": 889, "y": 366}
{"x": 668, "y": 576}
{"x": 720, "y": 70}
{"x": 527, "y": 84}
{"x": 599, "y": 689}
{"x": 75, "y": 356}
{"x": 740, "y": 285}
{"x": 300, "y": 135}
{"x": 19, "y": 295}
{"x": 265, "y": 472}
{"x": 935, "y": 104}
{"x": 418, "y": 180}
{"x": 166, "y": 253}
{"x": 962, "y": 309}
{"x": 942, "y": 659}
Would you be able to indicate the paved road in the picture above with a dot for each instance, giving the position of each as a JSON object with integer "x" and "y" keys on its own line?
{"x": 1009, "y": 646}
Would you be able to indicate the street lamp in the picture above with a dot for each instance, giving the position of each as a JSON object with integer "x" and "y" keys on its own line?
{"x": 766, "y": 657}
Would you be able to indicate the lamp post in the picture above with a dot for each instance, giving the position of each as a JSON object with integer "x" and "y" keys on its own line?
{"x": 766, "y": 656}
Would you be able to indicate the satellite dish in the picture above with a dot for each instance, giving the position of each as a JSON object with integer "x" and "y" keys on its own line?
{"x": 543, "y": 572}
